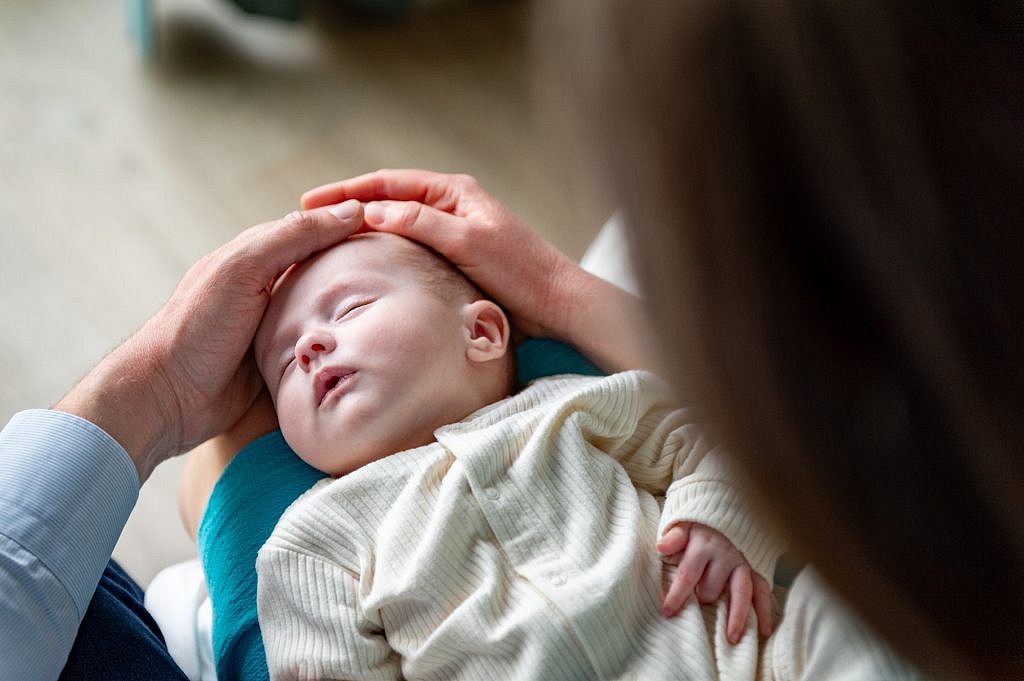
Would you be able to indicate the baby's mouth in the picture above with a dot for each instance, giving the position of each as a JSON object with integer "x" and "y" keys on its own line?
{"x": 327, "y": 380}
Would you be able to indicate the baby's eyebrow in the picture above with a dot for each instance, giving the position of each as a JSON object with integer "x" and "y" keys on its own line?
{"x": 327, "y": 298}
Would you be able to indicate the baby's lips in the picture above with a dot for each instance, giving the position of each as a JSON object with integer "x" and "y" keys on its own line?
{"x": 327, "y": 379}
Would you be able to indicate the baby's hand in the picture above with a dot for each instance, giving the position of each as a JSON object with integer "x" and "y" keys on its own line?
{"x": 708, "y": 562}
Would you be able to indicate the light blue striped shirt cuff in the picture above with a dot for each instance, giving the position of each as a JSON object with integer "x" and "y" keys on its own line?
{"x": 66, "y": 490}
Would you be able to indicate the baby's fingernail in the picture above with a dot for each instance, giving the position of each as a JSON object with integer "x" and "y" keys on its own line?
{"x": 375, "y": 213}
{"x": 345, "y": 210}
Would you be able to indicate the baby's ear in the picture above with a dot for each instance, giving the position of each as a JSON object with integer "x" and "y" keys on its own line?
{"x": 487, "y": 331}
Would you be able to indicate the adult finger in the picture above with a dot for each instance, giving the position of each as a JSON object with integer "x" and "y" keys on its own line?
{"x": 763, "y": 604}
{"x": 424, "y": 186}
{"x": 674, "y": 540}
{"x": 273, "y": 246}
{"x": 444, "y": 232}
{"x": 741, "y": 591}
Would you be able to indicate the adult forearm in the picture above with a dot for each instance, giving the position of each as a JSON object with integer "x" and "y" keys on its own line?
{"x": 122, "y": 395}
{"x": 604, "y": 322}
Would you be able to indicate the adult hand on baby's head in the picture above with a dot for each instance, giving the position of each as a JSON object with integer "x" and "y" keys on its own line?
{"x": 456, "y": 217}
{"x": 709, "y": 566}
{"x": 187, "y": 374}
{"x": 544, "y": 292}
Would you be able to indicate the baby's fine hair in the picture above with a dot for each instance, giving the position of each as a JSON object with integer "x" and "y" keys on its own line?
{"x": 436, "y": 272}
{"x": 443, "y": 279}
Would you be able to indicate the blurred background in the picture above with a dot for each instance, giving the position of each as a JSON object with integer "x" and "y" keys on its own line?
{"x": 122, "y": 161}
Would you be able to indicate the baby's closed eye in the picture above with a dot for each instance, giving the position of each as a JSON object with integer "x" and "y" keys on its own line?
{"x": 347, "y": 310}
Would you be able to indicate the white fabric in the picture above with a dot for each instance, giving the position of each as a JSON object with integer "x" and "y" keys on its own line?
{"x": 178, "y": 601}
{"x": 608, "y": 256}
{"x": 520, "y": 545}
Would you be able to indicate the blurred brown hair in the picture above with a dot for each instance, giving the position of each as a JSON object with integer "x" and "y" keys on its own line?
{"x": 826, "y": 202}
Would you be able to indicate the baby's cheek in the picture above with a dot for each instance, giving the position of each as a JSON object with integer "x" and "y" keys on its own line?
{"x": 300, "y": 438}
{"x": 295, "y": 423}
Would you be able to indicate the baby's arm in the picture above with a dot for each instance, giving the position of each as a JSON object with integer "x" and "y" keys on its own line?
{"x": 708, "y": 565}
{"x": 314, "y": 574}
{"x": 312, "y": 620}
{"x": 708, "y": 525}
{"x": 706, "y": 521}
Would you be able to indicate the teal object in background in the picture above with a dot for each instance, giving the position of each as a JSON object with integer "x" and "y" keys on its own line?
{"x": 142, "y": 24}
{"x": 141, "y": 29}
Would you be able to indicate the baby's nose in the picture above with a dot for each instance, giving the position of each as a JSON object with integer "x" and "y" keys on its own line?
{"x": 315, "y": 347}
{"x": 311, "y": 346}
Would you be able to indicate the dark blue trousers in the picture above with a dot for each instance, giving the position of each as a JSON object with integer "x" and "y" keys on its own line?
{"x": 118, "y": 639}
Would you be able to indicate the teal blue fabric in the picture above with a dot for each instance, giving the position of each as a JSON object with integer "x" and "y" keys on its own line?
{"x": 538, "y": 357}
{"x": 261, "y": 481}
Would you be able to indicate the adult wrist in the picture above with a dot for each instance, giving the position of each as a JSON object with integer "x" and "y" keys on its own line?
{"x": 603, "y": 321}
{"x": 126, "y": 395}
{"x": 567, "y": 306}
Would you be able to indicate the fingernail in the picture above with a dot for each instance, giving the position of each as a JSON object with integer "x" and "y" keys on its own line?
{"x": 345, "y": 210}
{"x": 375, "y": 213}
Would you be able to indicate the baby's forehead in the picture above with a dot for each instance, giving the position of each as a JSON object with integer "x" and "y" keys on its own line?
{"x": 367, "y": 262}
{"x": 360, "y": 264}
{"x": 373, "y": 252}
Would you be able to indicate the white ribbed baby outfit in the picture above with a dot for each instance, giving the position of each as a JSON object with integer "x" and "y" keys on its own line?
{"x": 520, "y": 545}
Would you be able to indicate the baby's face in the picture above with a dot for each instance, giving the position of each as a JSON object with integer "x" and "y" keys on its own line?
{"x": 360, "y": 358}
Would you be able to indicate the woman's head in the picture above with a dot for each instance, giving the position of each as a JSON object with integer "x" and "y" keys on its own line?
{"x": 826, "y": 207}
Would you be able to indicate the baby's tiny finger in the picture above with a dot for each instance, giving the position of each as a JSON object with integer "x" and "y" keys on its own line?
{"x": 713, "y": 582}
{"x": 679, "y": 592}
{"x": 674, "y": 540}
{"x": 763, "y": 604}
{"x": 741, "y": 591}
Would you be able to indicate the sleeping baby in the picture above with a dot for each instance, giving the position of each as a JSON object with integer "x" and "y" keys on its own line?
{"x": 467, "y": 533}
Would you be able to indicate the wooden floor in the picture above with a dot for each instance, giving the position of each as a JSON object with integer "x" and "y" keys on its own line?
{"x": 116, "y": 175}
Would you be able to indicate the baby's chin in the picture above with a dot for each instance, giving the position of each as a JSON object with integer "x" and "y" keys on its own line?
{"x": 337, "y": 461}
{"x": 333, "y": 459}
